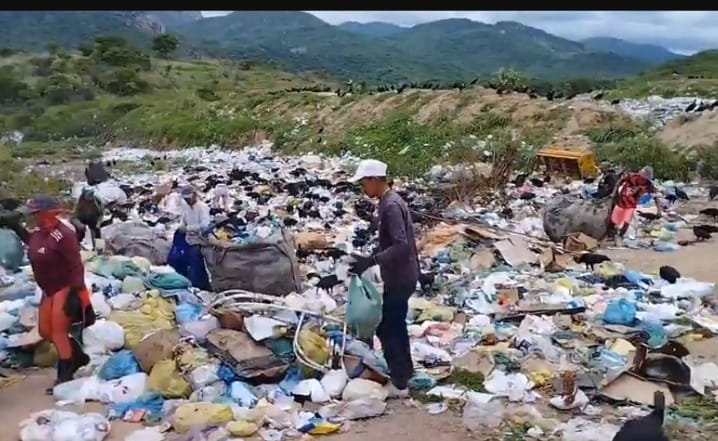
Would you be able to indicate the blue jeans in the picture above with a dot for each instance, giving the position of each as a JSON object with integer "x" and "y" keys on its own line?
{"x": 394, "y": 336}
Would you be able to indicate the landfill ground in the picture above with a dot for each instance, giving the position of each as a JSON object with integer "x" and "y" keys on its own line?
{"x": 405, "y": 421}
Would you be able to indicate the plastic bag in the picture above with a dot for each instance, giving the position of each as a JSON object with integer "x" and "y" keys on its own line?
{"x": 242, "y": 393}
{"x": 334, "y": 382}
{"x": 103, "y": 336}
{"x": 124, "y": 389}
{"x": 99, "y": 304}
{"x": 687, "y": 289}
{"x": 478, "y": 414}
{"x": 199, "y": 328}
{"x": 79, "y": 390}
{"x": 363, "y": 309}
{"x": 146, "y": 434}
{"x": 12, "y": 252}
{"x": 360, "y": 388}
{"x": 166, "y": 379}
{"x": 57, "y": 425}
{"x": 119, "y": 365}
{"x": 313, "y": 346}
{"x": 150, "y": 403}
{"x": 192, "y": 415}
{"x": 204, "y": 375}
{"x": 242, "y": 428}
{"x": 312, "y": 389}
{"x": 154, "y": 314}
{"x": 187, "y": 312}
{"x": 620, "y": 312}
{"x": 212, "y": 393}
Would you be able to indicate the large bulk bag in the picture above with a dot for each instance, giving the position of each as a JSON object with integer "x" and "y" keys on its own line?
{"x": 267, "y": 266}
{"x": 12, "y": 253}
{"x": 566, "y": 215}
{"x": 133, "y": 239}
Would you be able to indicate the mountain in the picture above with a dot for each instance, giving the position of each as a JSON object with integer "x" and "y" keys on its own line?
{"x": 172, "y": 19}
{"x": 374, "y": 28}
{"x": 301, "y": 42}
{"x": 650, "y": 53}
{"x": 482, "y": 49}
{"x": 34, "y": 30}
{"x": 701, "y": 65}
{"x": 444, "y": 50}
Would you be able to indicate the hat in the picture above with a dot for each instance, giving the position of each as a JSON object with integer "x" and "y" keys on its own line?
{"x": 40, "y": 203}
{"x": 369, "y": 168}
{"x": 647, "y": 172}
{"x": 187, "y": 191}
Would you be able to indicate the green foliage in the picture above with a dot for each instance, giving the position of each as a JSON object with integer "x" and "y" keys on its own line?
{"x": 12, "y": 90}
{"x": 7, "y": 52}
{"x": 123, "y": 81}
{"x": 508, "y": 79}
{"x": 610, "y": 135}
{"x": 641, "y": 150}
{"x": 116, "y": 51}
{"x": 207, "y": 94}
{"x": 164, "y": 45}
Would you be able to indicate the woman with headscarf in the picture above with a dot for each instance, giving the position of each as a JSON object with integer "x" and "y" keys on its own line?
{"x": 628, "y": 191}
{"x": 54, "y": 255}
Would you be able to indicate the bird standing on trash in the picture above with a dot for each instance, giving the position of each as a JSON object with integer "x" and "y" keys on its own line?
{"x": 65, "y": 308}
{"x": 398, "y": 261}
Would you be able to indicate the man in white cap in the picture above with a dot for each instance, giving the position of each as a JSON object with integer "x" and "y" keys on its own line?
{"x": 195, "y": 213}
{"x": 399, "y": 265}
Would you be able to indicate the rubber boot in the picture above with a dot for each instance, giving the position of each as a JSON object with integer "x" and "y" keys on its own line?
{"x": 78, "y": 359}
{"x": 62, "y": 374}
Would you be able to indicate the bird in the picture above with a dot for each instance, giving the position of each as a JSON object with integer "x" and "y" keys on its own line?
{"x": 713, "y": 212}
{"x": 701, "y": 233}
{"x": 599, "y": 95}
{"x": 537, "y": 182}
{"x": 712, "y": 192}
{"x": 591, "y": 259}
{"x": 508, "y": 213}
{"x": 709, "y": 228}
{"x": 616, "y": 102}
{"x": 426, "y": 280}
{"x": 648, "y": 216}
{"x": 680, "y": 194}
{"x": 519, "y": 180}
{"x": 646, "y": 428}
{"x": 527, "y": 195}
{"x": 669, "y": 274}
{"x": 691, "y": 106}
{"x": 328, "y": 283}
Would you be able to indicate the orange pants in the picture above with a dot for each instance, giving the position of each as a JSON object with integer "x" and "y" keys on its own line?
{"x": 54, "y": 322}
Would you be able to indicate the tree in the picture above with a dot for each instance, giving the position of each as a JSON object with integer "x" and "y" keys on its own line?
{"x": 165, "y": 44}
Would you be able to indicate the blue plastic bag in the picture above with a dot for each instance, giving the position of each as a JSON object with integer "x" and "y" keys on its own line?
{"x": 187, "y": 312}
{"x": 656, "y": 334}
{"x": 187, "y": 260}
{"x": 620, "y": 312}
{"x": 363, "y": 312}
{"x": 151, "y": 402}
{"x": 243, "y": 394}
{"x": 119, "y": 365}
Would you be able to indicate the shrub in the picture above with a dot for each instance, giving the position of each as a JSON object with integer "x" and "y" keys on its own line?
{"x": 123, "y": 81}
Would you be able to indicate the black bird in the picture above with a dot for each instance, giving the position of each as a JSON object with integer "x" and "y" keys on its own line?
{"x": 508, "y": 213}
{"x": 527, "y": 196}
{"x": 537, "y": 182}
{"x": 599, "y": 95}
{"x": 290, "y": 222}
{"x": 591, "y": 259}
{"x": 680, "y": 194}
{"x": 426, "y": 280}
{"x": 701, "y": 233}
{"x": 616, "y": 102}
{"x": 713, "y": 212}
{"x": 335, "y": 253}
{"x": 712, "y": 192}
{"x": 648, "y": 216}
{"x": 691, "y": 106}
{"x": 328, "y": 283}
{"x": 646, "y": 428}
{"x": 669, "y": 274}
{"x": 709, "y": 228}
{"x": 519, "y": 180}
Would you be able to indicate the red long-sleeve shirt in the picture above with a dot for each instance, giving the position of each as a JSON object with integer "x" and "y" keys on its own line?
{"x": 55, "y": 259}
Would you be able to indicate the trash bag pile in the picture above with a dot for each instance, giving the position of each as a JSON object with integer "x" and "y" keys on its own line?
{"x": 500, "y": 321}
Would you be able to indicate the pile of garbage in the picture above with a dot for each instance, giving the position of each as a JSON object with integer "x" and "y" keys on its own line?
{"x": 659, "y": 110}
{"x": 274, "y": 349}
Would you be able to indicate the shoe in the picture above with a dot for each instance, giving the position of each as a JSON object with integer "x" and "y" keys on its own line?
{"x": 395, "y": 392}
{"x": 78, "y": 359}
{"x": 62, "y": 375}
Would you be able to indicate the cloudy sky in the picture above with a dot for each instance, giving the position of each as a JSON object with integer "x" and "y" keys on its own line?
{"x": 681, "y": 31}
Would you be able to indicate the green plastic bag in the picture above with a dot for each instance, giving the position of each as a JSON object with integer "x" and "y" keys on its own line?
{"x": 363, "y": 308}
{"x": 11, "y": 250}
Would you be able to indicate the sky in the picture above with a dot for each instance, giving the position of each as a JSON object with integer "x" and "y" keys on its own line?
{"x": 684, "y": 32}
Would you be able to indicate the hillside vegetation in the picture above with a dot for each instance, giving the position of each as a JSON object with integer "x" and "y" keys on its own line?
{"x": 68, "y": 104}
{"x": 446, "y": 50}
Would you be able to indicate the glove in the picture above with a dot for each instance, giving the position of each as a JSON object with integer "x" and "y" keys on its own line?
{"x": 361, "y": 264}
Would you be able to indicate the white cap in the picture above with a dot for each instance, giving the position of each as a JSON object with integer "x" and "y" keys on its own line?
{"x": 369, "y": 168}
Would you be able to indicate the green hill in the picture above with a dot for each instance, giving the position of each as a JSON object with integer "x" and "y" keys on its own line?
{"x": 445, "y": 50}
{"x": 649, "y": 53}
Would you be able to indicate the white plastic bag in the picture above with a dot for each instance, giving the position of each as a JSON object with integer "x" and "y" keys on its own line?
{"x": 127, "y": 388}
{"x": 687, "y": 289}
{"x": 261, "y": 328}
{"x": 6, "y": 321}
{"x": 313, "y": 389}
{"x": 242, "y": 393}
{"x": 359, "y": 388}
{"x": 124, "y": 302}
{"x": 104, "y": 336}
{"x": 79, "y": 390}
{"x": 199, "y": 328}
{"x": 478, "y": 413}
{"x": 57, "y": 425}
{"x": 334, "y": 382}
{"x": 146, "y": 434}
{"x": 203, "y": 376}
{"x": 514, "y": 386}
{"x": 99, "y": 304}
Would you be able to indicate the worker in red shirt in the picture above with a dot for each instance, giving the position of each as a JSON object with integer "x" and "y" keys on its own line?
{"x": 627, "y": 193}
{"x": 54, "y": 255}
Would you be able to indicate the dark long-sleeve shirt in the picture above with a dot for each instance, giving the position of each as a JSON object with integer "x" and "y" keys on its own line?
{"x": 55, "y": 259}
{"x": 397, "y": 256}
